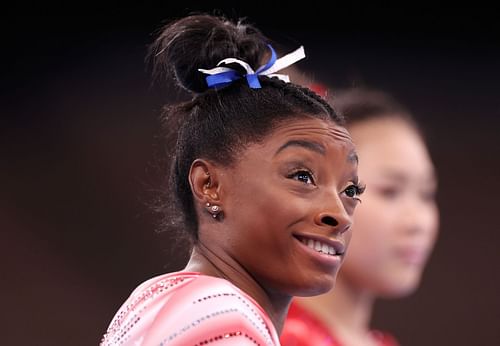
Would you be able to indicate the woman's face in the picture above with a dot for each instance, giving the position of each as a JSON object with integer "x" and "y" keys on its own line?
{"x": 396, "y": 224}
{"x": 288, "y": 203}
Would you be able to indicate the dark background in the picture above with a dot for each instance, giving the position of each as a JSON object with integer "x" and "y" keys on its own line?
{"x": 82, "y": 155}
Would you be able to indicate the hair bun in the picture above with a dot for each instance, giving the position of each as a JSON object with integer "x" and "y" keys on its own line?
{"x": 201, "y": 41}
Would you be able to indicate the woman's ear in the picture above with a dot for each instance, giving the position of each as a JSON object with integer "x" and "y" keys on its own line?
{"x": 204, "y": 181}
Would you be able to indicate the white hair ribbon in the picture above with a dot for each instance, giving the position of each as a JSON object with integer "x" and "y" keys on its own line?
{"x": 221, "y": 76}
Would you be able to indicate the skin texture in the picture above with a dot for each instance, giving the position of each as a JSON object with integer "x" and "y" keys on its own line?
{"x": 394, "y": 231}
{"x": 299, "y": 182}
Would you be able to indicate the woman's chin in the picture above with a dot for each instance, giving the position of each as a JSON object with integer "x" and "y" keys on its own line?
{"x": 400, "y": 289}
{"x": 318, "y": 288}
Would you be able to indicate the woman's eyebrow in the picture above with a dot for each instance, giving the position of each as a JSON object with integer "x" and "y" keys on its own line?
{"x": 313, "y": 146}
{"x": 353, "y": 157}
{"x": 394, "y": 175}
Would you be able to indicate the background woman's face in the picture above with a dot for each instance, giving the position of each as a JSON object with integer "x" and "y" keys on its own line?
{"x": 396, "y": 224}
{"x": 295, "y": 189}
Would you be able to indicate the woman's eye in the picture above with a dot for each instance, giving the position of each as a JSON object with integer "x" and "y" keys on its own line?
{"x": 354, "y": 191}
{"x": 351, "y": 191}
{"x": 390, "y": 192}
{"x": 302, "y": 176}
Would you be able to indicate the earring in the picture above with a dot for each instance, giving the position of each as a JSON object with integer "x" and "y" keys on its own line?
{"x": 214, "y": 210}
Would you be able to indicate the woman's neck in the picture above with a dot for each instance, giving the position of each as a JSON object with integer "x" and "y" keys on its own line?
{"x": 346, "y": 311}
{"x": 209, "y": 262}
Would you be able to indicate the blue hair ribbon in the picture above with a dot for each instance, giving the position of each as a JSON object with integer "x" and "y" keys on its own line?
{"x": 221, "y": 76}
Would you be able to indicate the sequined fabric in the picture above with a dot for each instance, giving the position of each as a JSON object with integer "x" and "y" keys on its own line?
{"x": 303, "y": 329}
{"x": 185, "y": 309}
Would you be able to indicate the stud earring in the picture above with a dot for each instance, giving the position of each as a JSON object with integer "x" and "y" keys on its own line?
{"x": 214, "y": 210}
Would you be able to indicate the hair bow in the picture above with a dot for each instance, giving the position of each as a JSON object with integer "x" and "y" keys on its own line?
{"x": 221, "y": 76}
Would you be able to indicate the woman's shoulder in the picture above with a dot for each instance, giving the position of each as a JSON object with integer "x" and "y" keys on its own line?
{"x": 302, "y": 328}
{"x": 384, "y": 338}
{"x": 188, "y": 308}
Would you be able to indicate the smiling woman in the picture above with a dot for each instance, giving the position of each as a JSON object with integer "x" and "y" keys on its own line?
{"x": 265, "y": 177}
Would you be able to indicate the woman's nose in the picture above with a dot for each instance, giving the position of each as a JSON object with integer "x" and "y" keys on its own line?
{"x": 329, "y": 220}
{"x": 335, "y": 217}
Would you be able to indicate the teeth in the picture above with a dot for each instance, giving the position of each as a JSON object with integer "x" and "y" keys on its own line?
{"x": 320, "y": 247}
{"x": 324, "y": 249}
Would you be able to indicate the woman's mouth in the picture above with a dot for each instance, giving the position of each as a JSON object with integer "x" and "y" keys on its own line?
{"x": 324, "y": 246}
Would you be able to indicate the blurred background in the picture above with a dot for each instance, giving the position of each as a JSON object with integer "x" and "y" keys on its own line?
{"x": 82, "y": 155}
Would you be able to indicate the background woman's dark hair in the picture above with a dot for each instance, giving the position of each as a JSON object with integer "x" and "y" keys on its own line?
{"x": 363, "y": 103}
{"x": 218, "y": 123}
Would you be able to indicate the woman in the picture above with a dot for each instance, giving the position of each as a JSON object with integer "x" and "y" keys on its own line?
{"x": 265, "y": 177}
{"x": 394, "y": 231}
